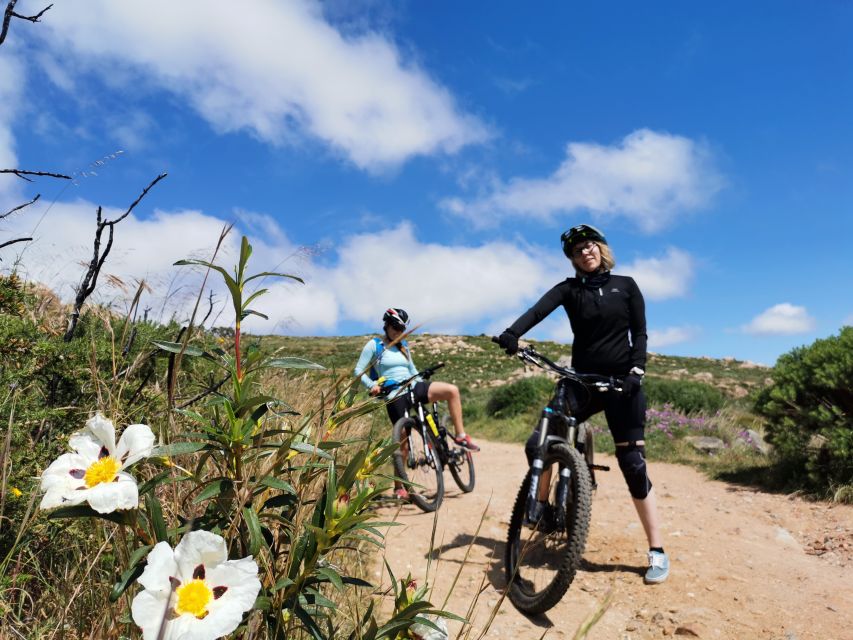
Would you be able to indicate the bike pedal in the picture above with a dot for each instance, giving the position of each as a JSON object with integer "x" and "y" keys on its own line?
{"x": 600, "y": 467}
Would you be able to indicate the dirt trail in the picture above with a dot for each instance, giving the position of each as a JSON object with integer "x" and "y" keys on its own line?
{"x": 745, "y": 564}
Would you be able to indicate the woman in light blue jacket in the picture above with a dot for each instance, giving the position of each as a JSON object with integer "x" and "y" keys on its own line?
{"x": 389, "y": 357}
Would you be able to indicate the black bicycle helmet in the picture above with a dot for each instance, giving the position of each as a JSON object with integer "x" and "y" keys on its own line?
{"x": 580, "y": 233}
{"x": 396, "y": 317}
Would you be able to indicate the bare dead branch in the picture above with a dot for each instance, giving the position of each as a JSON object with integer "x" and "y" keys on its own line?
{"x": 34, "y": 18}
{"x": 21, "y": 206}
{"x": 212, "y": 389}
{"x": 90, "y": 279}
{"x": 209, "y": 308}
{"x": 137, "y": 201}
{"x": 23, "y": 174}
{"x": 8, "y": 242}
{"x": 10, "y": 13}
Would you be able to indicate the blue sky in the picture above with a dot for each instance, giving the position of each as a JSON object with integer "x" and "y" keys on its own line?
{"x": 428, "y": 155}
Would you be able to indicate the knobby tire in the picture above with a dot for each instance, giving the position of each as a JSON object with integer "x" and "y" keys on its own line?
{"x": 465, "y": 468}
{"x": 536, "y": 600}
{"x": 424, "y": 471}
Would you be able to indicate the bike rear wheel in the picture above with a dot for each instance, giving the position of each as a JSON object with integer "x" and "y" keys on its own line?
{"x": 541, "y": 559}
{"x": 461, "y": 465}
{"x": 420, "y": 468}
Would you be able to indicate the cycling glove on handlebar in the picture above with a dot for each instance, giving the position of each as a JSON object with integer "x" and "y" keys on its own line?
{"x": 632, "y": 384}
{"x": 508, "y": 342}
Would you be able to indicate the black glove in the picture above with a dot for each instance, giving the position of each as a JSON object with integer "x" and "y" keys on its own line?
{"x": 632, "y": 384}
{"x": 508, "y": 342}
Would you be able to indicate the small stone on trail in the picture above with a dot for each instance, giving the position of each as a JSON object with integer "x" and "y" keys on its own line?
{"x": 783, "y": 536}
{"x": 686, "y": 631}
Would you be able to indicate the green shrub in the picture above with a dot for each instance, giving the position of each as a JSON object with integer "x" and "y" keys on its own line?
{"x": 808, "y": 409}
{"x": 519, "y": 396}
{"x": 685, "y": 395}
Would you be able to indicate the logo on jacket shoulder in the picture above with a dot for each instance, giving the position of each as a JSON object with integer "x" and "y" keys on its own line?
{"x": 614, "y": 290}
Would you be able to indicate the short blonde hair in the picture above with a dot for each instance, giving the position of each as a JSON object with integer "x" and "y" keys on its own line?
{"x": 607, "y": 259}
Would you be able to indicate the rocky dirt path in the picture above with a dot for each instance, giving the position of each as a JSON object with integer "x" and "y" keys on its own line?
{"x": 745, "y": 564}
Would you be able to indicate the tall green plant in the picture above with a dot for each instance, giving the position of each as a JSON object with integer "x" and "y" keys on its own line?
{"x": 250, "y": 488}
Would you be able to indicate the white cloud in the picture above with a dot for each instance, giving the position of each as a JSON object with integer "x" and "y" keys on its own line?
{"x": 275, "y": 69}
{"x": 442, "y": 287}
{"x": 649, "y": 177}
{"x": 446, "y": 289}
{"x": 11, "y": 87}
{"x": 142, "y": 249}
{"x": 132, "y": 129}
{"x": 848, "y": 321}
{"x": 781, "y": 319}
{"x": 56, "y": 72}
{"x": 659, "y": 338}
{"x": 669, "y": 276}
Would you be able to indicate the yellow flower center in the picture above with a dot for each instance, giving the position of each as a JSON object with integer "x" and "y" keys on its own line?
{"x": 104, "y": 470}
{"x": 193, "y": 597}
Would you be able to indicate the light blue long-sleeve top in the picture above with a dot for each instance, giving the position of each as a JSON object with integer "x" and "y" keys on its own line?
{"x": 392, "y": 365}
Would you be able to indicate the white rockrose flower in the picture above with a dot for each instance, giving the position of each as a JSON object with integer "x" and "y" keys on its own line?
{"x": 195, "y": 592}
{"x": 94, "y": 473}
{"x": 421, "y": 631}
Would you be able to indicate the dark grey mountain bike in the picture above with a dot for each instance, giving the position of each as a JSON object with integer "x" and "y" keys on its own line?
{"x": 550, "y": 518}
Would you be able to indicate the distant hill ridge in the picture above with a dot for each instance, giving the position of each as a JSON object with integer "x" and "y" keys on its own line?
{"x": 475, "y": 362}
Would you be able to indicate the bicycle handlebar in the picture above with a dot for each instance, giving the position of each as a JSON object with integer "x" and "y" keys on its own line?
{"x": 600, "y": 382}
{"x": 426, "y": 374}
{"x": 387, "y": 386}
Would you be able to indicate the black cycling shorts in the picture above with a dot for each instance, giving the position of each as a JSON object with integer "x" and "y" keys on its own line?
{"x": 626, "y": 417}
{"x": 398, "y": 406}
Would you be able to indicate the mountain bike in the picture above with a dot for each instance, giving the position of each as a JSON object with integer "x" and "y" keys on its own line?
{"x": 425, "y": 451}
{"x": 550, "y": 517}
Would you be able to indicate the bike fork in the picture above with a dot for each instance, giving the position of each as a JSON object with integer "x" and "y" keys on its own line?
{"x": 563, "y": 495}
{"x": 533, "y": 507}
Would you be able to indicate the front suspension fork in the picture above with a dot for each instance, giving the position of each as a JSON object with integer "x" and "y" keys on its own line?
{"x": 534, "y": 507}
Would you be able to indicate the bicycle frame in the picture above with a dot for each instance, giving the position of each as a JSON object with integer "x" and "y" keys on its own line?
{"x": 556, "y": 424}
{"x": 425, "y": 419}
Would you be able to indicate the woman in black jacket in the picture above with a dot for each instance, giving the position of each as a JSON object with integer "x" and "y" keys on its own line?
{"x": 608, "y": 319}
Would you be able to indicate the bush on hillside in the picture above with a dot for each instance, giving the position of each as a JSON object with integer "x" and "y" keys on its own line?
{"x": 809, "y": 411}
{"x": 685, "y": 395}
{"x": 519, "y": 396}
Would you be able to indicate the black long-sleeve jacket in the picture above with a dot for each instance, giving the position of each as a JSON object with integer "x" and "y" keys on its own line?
{"x": 602, "y": 320}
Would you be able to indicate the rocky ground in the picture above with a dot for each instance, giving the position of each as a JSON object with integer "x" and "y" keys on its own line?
{"x": 745, "y": 564}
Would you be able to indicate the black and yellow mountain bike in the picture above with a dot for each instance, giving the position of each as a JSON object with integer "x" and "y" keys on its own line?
{"x": 425, "y": 450}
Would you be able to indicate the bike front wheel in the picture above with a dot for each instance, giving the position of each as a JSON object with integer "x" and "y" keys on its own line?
{"x": 543, "y": 556}
{"x": 417, "y": 464}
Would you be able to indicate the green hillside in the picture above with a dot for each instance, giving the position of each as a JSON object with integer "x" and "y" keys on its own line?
{"x": 475, "y": 362}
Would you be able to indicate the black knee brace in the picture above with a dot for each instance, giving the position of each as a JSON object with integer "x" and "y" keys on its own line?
{"x": 632, "y": 462}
